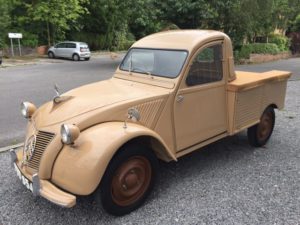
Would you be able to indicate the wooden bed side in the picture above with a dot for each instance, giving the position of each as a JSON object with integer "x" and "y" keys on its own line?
{"x": 248, "y": 80}
{"x": 250, "y": 94}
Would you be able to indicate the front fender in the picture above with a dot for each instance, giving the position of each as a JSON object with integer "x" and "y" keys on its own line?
{"x": 79, "y": 168}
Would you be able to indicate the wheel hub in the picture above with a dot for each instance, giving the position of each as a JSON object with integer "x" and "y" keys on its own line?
{"x": 131, "y": 180}
{"x": 265, "y": 126}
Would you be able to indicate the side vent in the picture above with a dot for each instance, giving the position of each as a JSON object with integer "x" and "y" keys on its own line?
{"x": 149, "y": 111}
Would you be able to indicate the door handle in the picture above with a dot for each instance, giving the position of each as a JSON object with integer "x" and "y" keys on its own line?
{"x": 179, "y": 98}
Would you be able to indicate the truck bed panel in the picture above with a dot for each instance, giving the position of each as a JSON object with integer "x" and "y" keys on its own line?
{"x": 248, "y": 80}
{"x": 251, "y": 93}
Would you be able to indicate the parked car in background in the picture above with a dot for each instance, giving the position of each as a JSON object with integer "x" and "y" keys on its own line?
{"x": 70, "y": 49}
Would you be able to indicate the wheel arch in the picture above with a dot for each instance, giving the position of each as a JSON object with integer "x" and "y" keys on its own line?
{"x": 273, "y": 105}
{"x": 79, "y": 168}
{"x": 159, "y": 149}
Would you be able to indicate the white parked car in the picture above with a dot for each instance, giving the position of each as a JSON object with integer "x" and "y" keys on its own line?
{"x": 70, "y": 49}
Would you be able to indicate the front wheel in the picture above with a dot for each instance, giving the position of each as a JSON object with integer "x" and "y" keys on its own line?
{"x": 128, "y": 180}
{"x": 259, "y": 134}
{"x": 51, "y": 55}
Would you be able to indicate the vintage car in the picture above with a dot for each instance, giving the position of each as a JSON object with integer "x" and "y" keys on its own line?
{"x": 173, "y": 93}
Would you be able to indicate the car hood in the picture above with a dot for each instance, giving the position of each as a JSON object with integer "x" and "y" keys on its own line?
{"x": 93, "y": 97}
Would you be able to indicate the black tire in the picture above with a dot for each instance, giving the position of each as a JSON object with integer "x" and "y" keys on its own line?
{"x": 259, "y": 134}
{"x": 126, "y": 182}
{"x": 76, "y": 57}
{"x": 51, "y": 55}
{"x": 86, "y": 59}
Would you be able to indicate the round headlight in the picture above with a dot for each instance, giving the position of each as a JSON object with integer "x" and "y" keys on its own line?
{"x": 27, "y": 109}
{"x": 69, "y": 133}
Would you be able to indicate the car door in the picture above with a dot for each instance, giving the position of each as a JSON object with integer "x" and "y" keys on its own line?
{"x": 70, "y": 49}
{"x": 200, "y": 104}
{"x": 60, "y": 50}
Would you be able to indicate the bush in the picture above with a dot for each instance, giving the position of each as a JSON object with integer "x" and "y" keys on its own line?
{"x": 119, "y": 41}
{"x": 257, "y": 48}
{"x": 282, "y": 42}
{"x": 2, "y": 43}
{"x": 296, "y": 24}
{"x": 29, "y": 40}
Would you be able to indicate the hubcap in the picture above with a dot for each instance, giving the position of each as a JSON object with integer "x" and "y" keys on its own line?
{"x": 131, "y": 180}
{"x": 265, "y": 126}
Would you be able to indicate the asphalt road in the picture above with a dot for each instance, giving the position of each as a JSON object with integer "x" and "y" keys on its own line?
{"x": 35, "y": 83}
{"x": 227, "y": 182}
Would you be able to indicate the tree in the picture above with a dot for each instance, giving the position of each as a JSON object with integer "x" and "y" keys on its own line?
{"x": 5, "y": 8}
{"x": 143, "y": 18}
{"x": 58, "y": 16}
{"x": 185, "y": 13}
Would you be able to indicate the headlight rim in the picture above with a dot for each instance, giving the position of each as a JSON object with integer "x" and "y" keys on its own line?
{"x": 69, "y": 133}
{"x": 27, "y": 109}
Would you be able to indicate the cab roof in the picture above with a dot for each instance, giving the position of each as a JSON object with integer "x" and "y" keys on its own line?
{"x": 178, "y": 39}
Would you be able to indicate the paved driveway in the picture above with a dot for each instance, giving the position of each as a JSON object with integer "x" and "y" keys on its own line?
{"x": 227, "y": 182}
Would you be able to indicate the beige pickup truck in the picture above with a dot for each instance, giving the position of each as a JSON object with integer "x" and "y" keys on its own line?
{"x": 173, "y": 93}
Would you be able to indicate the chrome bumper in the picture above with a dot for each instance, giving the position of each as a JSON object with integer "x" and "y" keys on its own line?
{"x": 43, "y": 188}
{"x": 34, "y": 184}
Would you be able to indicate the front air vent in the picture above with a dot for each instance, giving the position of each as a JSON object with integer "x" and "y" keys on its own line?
{"x": 42, "y": 141}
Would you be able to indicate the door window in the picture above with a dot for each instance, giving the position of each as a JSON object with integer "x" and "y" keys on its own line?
{"x": 61, "y": 45}
{"x": 71, "y": 45}
{"x": 207, "y": 66}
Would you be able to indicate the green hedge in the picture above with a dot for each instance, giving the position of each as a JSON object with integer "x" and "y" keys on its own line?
{"x": 29, "y": 40}
{"x": 282, "y": 42}
{"x": 257, "y": 48}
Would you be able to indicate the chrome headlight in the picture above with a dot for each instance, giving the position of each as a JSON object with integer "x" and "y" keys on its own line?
{"x": 27, "y": 109}
{"x": 69, "y": 133}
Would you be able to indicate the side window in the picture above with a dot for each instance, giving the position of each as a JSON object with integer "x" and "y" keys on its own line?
{"x": 61, "y": 45}
{"x": 207, "y": 66}
{"x": 71, "y": 45}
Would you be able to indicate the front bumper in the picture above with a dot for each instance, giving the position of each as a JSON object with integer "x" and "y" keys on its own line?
{"x": 41, "y": 187}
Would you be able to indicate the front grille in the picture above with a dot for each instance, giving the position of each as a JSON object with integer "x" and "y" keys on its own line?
{"x": 42, "y": 140}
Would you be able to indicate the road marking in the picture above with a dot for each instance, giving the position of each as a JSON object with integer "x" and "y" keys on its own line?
{"x": 4, "y": 149}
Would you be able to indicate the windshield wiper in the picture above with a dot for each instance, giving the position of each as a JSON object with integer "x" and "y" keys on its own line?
{"x": 136, "y": 69}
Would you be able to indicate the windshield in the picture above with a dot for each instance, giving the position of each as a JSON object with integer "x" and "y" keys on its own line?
{"x": 157, "y": 62}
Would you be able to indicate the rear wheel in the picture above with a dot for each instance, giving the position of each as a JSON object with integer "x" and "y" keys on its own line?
{"x": 128, "y": 180}
{"x": 75, "y": 57}
{"x": 259, "y": 134}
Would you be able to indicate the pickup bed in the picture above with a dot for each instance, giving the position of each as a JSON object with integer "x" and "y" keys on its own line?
{"x": 249, "y": 95}
{"x": 173, "y": 93}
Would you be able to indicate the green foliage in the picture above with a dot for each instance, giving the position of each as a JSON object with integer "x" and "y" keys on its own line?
{"x": 282, "y": 42}
{"x": 185, "y": 14}
{"x": 115, "y": 24}
{"x": 5, "y": 8}
{"x": 29, "y": 40}
{"x": 257, "y": 48}
{"x": 296, "y": 24}
{"x": 58, "y": 16}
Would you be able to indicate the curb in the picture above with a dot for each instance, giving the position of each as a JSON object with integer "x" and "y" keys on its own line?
{"x": 4, "y": 149}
